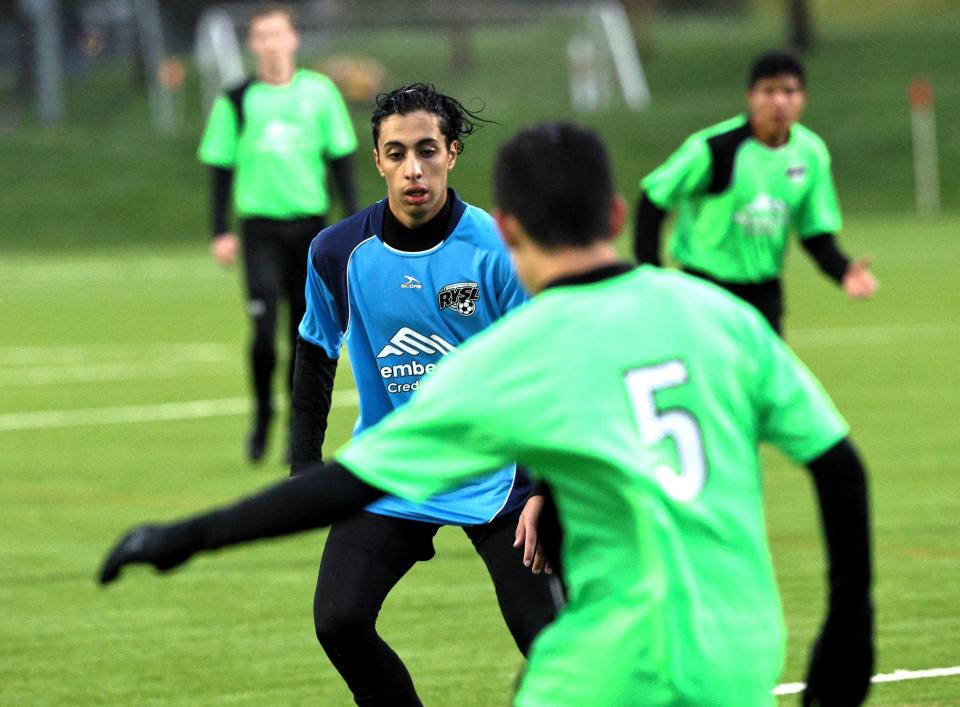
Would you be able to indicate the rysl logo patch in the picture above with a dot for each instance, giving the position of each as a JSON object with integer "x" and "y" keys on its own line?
{"x": 462, "y": 297}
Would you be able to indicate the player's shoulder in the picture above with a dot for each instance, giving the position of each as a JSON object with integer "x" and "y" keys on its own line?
{"x": 338, "y": 241}
{"x": 732, "y": 125}
{"x": 475, "y": 225}
{"x": 808, "y": 139}
{"x": 700, "y": 299}
{"x": 314, "y": 80}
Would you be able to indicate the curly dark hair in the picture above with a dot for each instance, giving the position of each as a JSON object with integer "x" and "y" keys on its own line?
{"x": 456, "y": 121}
{"x": 775, "y": 63}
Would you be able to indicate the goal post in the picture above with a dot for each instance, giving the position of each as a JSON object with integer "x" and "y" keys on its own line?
{"x": 598, "y": 58}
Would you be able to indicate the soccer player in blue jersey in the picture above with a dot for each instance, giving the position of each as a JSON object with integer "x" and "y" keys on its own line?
{"x": 403, "y": 283}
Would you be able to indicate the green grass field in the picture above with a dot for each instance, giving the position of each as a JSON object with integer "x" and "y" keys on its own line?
{"x": 123, "y": 394}
{"x": 131, "y": 329}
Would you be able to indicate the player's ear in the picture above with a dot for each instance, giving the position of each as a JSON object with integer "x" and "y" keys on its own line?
{"x": 507, "y": 226}
{"x": 453, "y": 151}
{"x": 376, "y": 161}
{"x": 618, "y": 214}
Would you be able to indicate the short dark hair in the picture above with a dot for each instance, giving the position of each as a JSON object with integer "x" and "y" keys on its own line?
{"x": 456, "y": 122}
{"x": 775, "y": 63}
{"x": 266, "y": 9}
{"x": 555, "y": 178}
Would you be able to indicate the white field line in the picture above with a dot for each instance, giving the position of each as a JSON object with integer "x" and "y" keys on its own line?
{"x": 90, "y": 363}
{"x": 793, "y": 688}
{"x": 101, "y": 373}
{"x": 159, "y": 412}
{"x": 66, "y": 354}
{"x": 873, "y": 334}
{"x": 91, "y": 270}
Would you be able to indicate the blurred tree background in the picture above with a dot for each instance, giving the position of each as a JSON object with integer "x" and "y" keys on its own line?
{"x": 103, "y": 172}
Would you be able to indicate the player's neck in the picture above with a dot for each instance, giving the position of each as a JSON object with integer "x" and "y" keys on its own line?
{"x": 397, "y": 234}
{"x": 276, "y": 74}
{"x": 771, "y": 137}
{"x": 571, "y": 262}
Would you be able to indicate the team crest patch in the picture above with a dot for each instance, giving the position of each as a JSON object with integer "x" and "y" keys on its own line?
{"x": 461, "y": 297}
{"x": 796, "y": 174}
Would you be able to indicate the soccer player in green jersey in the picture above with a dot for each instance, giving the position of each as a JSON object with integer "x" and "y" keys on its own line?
{"x": 269, "y": 143}
{"x": 739, "y": 187}
{"x": 638, "y": 396}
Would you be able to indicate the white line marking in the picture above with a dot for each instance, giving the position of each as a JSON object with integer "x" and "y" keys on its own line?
{"x": 82, "y": 269}
{"x": 55, "y": 354}
{"x": 873, "y": 334}
{"x": 106, "y": 372}
{"x": 188, "y": 410}
{"x": 793, "y": 688}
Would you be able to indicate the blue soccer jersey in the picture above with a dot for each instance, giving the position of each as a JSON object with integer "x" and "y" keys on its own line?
{"x": 399, "y": 313}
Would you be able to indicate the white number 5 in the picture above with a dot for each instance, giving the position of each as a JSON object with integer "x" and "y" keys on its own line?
{"x": 642, "y": 383}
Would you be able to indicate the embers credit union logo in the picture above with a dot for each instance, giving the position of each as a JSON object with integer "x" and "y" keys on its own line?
{"x": 413, "y": 343}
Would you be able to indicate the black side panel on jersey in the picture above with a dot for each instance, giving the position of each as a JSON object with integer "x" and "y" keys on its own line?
{"x": 723, "y": 150}
{"x": 235, "y": 95}
{"x": 330, "y": 252}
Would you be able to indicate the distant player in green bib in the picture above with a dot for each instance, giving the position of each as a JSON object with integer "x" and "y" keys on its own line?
{"x": 269, "y": 143}
{"x": 741, "y": 186}
{"x": 638, "y": 397}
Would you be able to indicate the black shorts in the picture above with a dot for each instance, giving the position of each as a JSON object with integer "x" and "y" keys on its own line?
{"x": 766, "y": 296}
{"x": 275, "y": 256}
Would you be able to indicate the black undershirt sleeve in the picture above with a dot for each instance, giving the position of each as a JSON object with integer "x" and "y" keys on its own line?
{"x": 313, "y": 376}
{"x": 842, "y": 658}
{"x": 221, "y": 185}
{"x": 322, "y": 495}
{"x": 316, "y": 498}
{"x": 343, "y": 176}
{"x": 830, "y": 259}
{"x": 841, "y": 486}
{"x": 646, "y": 241}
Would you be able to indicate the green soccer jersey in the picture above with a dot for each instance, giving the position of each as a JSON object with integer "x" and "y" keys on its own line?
{"x": 640, "y": 400}
{"x": 278, "y": 154}
{"x": 738, "y": 199}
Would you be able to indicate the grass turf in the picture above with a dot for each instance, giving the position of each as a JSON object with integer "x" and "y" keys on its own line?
{"x": 235, "y": 628}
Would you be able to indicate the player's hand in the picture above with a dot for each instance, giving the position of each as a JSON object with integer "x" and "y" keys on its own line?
{"x": 841, "y": 662}
{"x": 858, "y": 281}
{"x": 163, "y": 546}
{"x": 225, "y": 248}
{"x": 526, "y": 536}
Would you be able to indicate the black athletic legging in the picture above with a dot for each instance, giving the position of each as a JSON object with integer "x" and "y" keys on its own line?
{"x": 364, "y": 558}
{"x": 275, "y": 259}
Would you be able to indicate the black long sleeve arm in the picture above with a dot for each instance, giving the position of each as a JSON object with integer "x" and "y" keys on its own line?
{"x": 221, "y": 186}
{"x": 841, "y": 663}
{"x": 841, "y": 484}
{"x": 313, "y": 376}
{"x": 343, "y": 176}
{"x": 316, "y": 498}
{"x": 646, "y": 239}
{"x": 322, "y": 495}
{"x": 827, "y": 254}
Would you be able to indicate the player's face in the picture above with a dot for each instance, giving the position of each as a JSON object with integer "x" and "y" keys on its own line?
{"x": 413, "y": 157}
{"x": 273, "y": 41}
{"x": 776, "y": 103}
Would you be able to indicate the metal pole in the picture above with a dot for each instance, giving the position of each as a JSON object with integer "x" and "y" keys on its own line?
{"x": 47, "y": 57}
{"x": 151, "y": 41}
{"x": 925, "y": 164}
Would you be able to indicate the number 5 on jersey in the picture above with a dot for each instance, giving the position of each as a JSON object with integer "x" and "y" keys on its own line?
{"x": 685, "y": 483}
